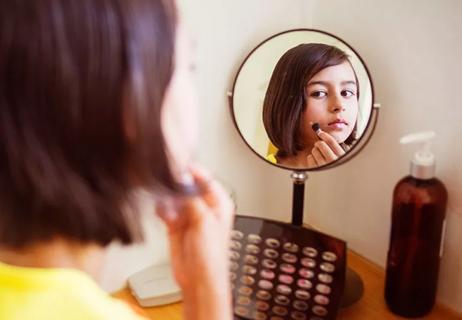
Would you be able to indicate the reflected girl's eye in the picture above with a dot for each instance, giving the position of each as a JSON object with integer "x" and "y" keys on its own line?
{"x": 318, "y": 94}
{"x": 347, "y": 93}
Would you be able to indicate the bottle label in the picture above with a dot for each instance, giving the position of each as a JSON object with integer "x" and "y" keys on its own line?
{"x": 443, "y": 236}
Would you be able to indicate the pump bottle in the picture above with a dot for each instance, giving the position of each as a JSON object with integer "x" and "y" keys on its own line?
{"x": 417, "y": 230}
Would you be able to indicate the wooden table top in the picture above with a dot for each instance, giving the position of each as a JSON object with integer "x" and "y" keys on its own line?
{"x": 371, "y": 306}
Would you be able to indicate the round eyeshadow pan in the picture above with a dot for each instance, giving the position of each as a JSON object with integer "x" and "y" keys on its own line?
{"x": 300, "y": 305}
{"x": 308, "y": 263}
{"x": 290, "y": 247}
{"x": 310, "y": 252}
{"x": 286, "y": 279}
{"x": 327, "y": 267}
{"x": 234, "y": 255}
{"x": 250, "y": 259}
{"x": 289, "y": 257}
{"x": 234, "y": 266}
{"x": 270, "y": 264}
{"x": 232, "y": 276}
{"x": 320, "y": 299}
{"x": 280, "y": 311}
{"x": 249, "y": 270}
{"x": 270, "y": 253}
{"x": 319, "y": 311}
{"x": 282, "y": 300}
{"x": 283, "y": 289}
{"x": 247, "y": 280}
{"x": 263, "y": 295}
{"x": 302, "y": 294}
{"x": 265, "y": 284}
{"x": 254, "y": 238}
{"x": 252, "y": 249}
{"x": 245, "y": 301}
{"x": 287, "y": 268}
{"x": 267, "y": 274}
{"x": 246, "y": 291}
{"x": 237, "y": 235}
{"x": 262, "y": 306}
{"x": 272, "y": 243}
{"x": 322, "y": 288}
{"x": 305, "y": 284}
{"x": 326, "y": 278}
{"x": 241, "y": 311}
{"x": 329, "y": 256}
{"x": 235, "y": 245}
{"x": 306, "y": 273}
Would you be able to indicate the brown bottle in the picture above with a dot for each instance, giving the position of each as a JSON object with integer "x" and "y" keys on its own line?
{"x": 418, "y": 219}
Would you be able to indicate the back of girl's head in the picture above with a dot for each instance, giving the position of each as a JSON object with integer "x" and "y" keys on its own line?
{"x": 285, "y": 97}
{"x": 81, "y": 89}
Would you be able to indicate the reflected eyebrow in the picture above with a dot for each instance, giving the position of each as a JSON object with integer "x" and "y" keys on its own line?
{"x": 325, "y": 83}
{"x": 348, "y": 82}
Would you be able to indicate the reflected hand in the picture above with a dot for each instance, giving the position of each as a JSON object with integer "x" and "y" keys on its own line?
{"x": 324, "y": 151}
{"x": 199, "y": 232}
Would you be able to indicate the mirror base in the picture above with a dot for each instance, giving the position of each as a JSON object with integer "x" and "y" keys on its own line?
{"x": 354, "y": 289}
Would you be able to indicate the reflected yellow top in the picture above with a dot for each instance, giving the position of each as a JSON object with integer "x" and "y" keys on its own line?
{"x": 271, "y": 158}
{"x": 56, "y": 294}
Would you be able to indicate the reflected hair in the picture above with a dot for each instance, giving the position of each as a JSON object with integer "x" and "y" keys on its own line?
{"x": 81, "y": 89}
{"x": 285, "y": 99}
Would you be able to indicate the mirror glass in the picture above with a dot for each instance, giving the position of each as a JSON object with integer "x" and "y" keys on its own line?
{"x": 302, "y": 100}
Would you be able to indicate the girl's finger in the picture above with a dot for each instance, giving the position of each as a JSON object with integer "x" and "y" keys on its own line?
{"x": 167, "y": 213}
{"x": 311, "y": 162}
{"x": 317, "y": 155}
{"x": 333, "y": 144}
{"x": 213, "y": 193}
{"x": 326, "y": 151}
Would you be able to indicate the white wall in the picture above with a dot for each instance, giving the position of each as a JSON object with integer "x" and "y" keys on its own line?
{"x": 413, "y": 50}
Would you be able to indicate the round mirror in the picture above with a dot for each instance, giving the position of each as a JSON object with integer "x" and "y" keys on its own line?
{"x": 303, "y": 100}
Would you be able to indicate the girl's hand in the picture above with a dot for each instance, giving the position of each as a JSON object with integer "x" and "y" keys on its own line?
{"x": 324, "y": 151}
{"x": 199, "y": 233}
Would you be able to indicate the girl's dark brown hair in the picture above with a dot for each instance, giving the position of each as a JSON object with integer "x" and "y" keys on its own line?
{"x": 285, "y": 98}
{"x": 81, "y": 89}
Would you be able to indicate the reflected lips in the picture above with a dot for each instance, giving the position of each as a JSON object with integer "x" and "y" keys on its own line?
{"x": 338, "y": 124}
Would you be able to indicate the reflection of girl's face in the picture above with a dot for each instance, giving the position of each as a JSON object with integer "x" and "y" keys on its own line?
{"x": 332, "y": 101}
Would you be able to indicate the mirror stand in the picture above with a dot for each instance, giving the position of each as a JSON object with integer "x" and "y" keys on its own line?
{"x": 298, "y": 178}
{"x": 354, "y": 286}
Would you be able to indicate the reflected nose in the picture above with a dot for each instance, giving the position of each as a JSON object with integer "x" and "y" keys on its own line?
{"x": 336, "y": 104}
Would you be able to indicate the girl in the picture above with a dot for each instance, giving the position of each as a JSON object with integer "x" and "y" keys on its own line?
{"x": 94, "y": 104}
{"x": 311, "y": 84}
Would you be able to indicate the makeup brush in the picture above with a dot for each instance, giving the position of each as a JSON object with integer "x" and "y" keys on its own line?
{"x": 316, "y": 128}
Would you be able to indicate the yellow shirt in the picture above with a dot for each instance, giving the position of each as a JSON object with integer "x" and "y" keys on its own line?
{"x": 271, "y": 158}
{"x": 56, "y": 294}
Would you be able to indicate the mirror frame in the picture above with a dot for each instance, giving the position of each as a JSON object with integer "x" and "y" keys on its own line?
{"x": 356, "y": 148}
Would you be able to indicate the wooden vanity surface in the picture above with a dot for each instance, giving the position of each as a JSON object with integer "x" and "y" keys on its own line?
{"x": 371, "y": 306}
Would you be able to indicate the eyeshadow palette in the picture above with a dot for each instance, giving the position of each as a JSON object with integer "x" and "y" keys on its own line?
{"x": 280, "y": 271}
